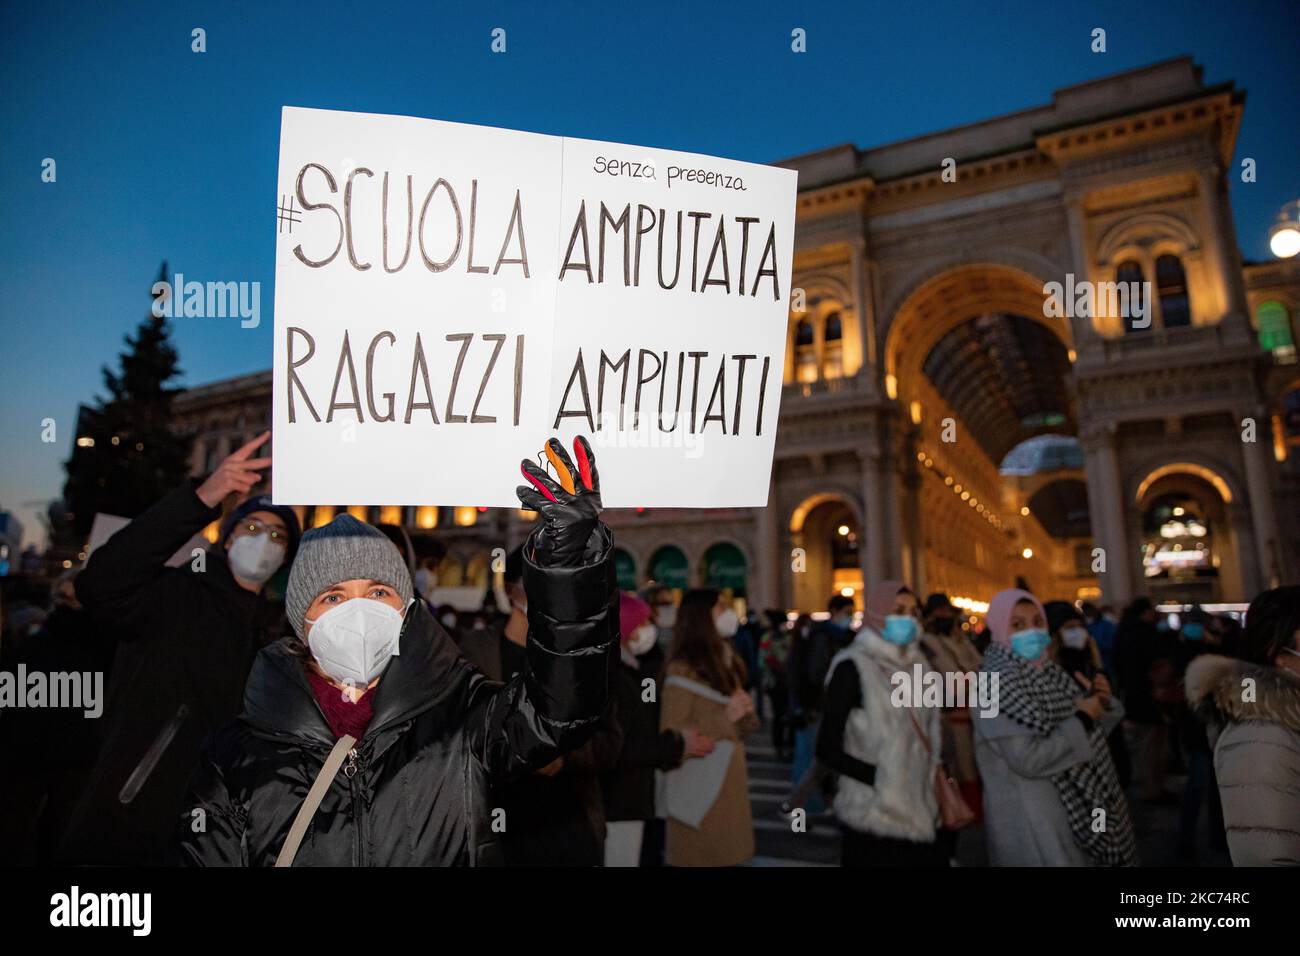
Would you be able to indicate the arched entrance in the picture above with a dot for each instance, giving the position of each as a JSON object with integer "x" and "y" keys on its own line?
{"x": 828, "y": 535}
{"x": 946, "y": 301}
{"x": 725, "y": 568}
{"x": 625, "y": 569}
{"x": 1190, "y": 548}
{"x": 669, "y": 567}
{"x": 978, "y": 370}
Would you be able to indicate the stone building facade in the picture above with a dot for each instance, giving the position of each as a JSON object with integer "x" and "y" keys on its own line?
{"x": 942, "y": 423}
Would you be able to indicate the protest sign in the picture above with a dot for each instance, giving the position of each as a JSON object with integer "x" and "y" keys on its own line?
{"x": 449, "y": 296}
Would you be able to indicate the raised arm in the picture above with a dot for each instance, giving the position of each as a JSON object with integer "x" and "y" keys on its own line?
{"x": 572, "y": 648}
{"x": 123, "y": 578}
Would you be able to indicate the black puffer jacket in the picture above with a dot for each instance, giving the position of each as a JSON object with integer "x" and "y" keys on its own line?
{"x": 188, "y": 639}
{"x": 442, "y": 733}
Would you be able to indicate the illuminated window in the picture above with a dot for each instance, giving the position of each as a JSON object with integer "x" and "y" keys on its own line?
{"x": 1171, "y": 286}
{"x": 805, "y": 352}
{"x": 426, "y": 516}
{"x": 390, "y": 514}
{"x": 465, "y": 516}
{"x": 323, "y": 515}
{"x": 360, "y": 512}
{"x": 1275, "y": 331}
{"x": 833, "y": 337}
{"x": 1130, "y": 272}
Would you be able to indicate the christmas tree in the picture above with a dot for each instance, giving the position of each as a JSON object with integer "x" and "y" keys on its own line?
{"x": 126, "y": 456}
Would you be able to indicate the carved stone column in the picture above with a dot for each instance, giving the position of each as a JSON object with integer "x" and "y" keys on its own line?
{"x": 872, "y": 551}
{"x": 1268, "y": 547}
{"x": 1106, "y": 508}
{"x": 767, "y": 555}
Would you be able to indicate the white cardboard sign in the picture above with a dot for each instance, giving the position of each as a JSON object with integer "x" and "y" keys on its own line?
{"x": 449, "y": 296}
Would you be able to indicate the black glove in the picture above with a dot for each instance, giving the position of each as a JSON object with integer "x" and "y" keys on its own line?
{"x": 570, "y": 510}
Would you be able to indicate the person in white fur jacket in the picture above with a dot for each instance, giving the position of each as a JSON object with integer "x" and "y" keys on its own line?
{"x": 885, "y": 799}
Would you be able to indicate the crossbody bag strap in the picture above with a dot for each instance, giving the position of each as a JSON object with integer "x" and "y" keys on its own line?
{"x": 925, "y": 741}
{"x": 315, "y": 795}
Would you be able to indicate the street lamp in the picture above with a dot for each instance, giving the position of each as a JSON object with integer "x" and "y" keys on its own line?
{"x": 1284, "y": 236}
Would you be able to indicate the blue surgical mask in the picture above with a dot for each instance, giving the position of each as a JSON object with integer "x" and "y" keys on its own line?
{"x": 899, "y": 629}
{"x": 1030, "y": 644}
{"x": 1193, "y": 632}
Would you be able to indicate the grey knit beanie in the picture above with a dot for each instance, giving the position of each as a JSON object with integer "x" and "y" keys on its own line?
{"x": 342, "y": 550}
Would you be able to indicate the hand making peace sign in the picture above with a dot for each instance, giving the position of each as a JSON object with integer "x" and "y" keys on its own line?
{"x": 238, "y": 473}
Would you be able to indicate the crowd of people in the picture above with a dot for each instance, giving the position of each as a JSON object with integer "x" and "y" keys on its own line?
{"x": 293, "y": 698}
{"x": 1091, "y": 712}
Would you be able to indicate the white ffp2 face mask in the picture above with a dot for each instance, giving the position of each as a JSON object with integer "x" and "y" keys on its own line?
{"x": 255, "y": 557}
{"x": 727, "y": 623}
{"x": 642, "y": 639}
{"x": 354, "y": 641}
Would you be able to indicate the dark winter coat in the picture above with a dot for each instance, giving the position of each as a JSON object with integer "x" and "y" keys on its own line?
{"x": 416, "y": 791}
{"x": 1147, "y": 671}
{"x": 51, "y": 750}
{"x": 810, "y": 663}
{"x": 187, "y": 641}
{"x": 630, "y": 786}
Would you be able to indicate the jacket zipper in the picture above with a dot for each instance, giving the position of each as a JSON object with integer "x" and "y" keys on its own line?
{"x": 350, "y": 769}
{"x": 140, "y": 775}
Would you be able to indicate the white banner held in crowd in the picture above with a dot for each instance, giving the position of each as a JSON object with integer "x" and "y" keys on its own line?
{"x": 449, "y": 296}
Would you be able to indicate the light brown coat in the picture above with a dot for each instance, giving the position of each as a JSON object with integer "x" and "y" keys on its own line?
{"x": 726, "y": 834}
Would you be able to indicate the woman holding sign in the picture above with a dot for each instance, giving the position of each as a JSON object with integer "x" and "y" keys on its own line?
{"x": 709, "y": 820}
{"x": 366, "y": 739}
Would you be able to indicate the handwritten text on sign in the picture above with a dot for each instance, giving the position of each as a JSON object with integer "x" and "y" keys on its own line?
{"x": 448, "y": 296}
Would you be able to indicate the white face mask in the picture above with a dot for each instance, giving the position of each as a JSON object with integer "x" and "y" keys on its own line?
{"x": 642, "y": 639}
{"x": 666, "y": 615}
{"x": 255, "y": 557}
{"x": 1074, "y": 637}
{"x": 727, "y": 623}
{"x": 354, "y": 641}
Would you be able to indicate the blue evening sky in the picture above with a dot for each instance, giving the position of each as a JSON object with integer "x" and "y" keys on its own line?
{"x": 165, "y": 153}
